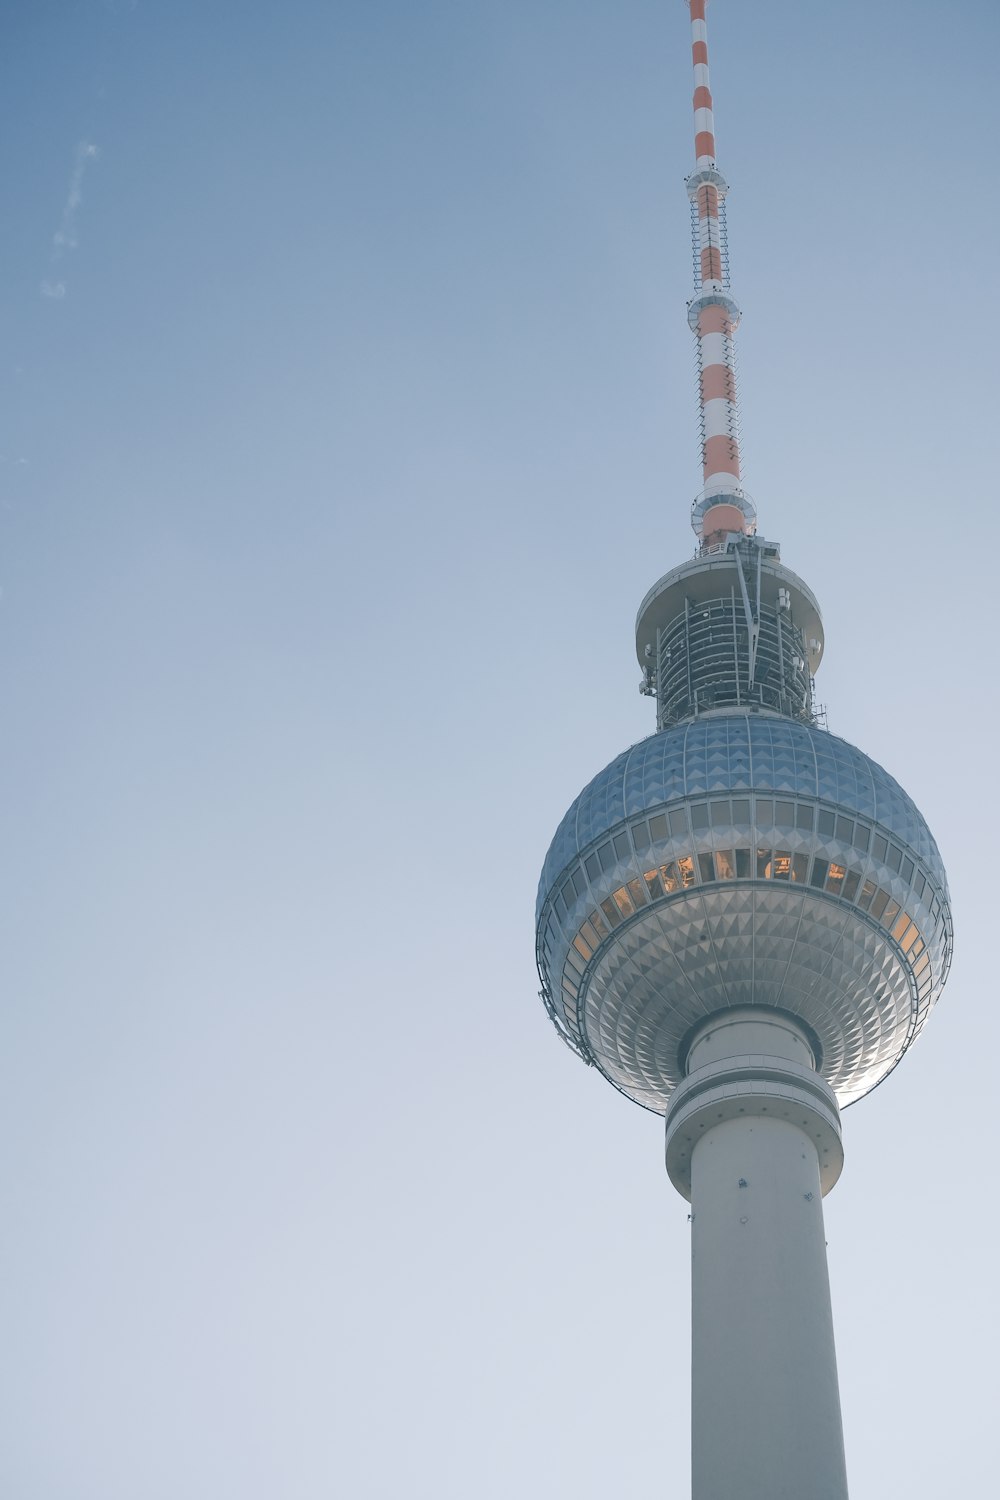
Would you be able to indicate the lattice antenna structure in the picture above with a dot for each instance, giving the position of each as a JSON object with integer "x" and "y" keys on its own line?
{"x": 723, "y": 507}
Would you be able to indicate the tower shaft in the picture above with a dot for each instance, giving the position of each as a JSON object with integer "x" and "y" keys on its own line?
{"x": 753, "y": 1139}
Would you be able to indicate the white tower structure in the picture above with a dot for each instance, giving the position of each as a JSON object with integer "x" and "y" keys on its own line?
{"x": 743, "y": 923}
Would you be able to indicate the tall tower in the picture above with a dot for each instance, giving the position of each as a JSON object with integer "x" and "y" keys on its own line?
{"x": 743, "y": 923}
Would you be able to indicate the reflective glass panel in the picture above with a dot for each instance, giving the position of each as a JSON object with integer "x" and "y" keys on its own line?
{"x": 879, "y": 904}
{"x": 611, "y": 911}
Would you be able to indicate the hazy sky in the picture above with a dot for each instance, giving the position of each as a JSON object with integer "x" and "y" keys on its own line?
{"x": 347, "y": 410}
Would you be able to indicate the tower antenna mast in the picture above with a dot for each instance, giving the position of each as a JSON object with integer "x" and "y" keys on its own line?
{"x": 722, "y": 507}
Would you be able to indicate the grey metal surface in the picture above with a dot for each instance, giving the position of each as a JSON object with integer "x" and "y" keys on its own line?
{"x": 742, "y": 859}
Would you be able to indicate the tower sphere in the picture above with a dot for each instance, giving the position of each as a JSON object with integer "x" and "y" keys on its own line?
{"x": 741, "y": 859}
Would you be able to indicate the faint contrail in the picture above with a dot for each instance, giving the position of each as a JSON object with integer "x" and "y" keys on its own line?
{"x": 65, "y": 237}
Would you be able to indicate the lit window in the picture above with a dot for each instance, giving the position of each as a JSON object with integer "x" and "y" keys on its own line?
{"x": 781, "y": 865}
{"x": 589, "y": 937}
{"x": 800, "y": 867}
{"x": 724, "y": 868}
{"x": 653, "y": 886}
{"x": 671, "y": 879}
{"x": 637, "y": 891}
{"x": 763, "y": 864}
{"x": 909, "y": 938}
{"x": 900, "y": 926}
{"x": 598, "y": 924}
{"x": 623, "y": 901}
{"x": 835, "y": 879}
{"x": 685, "y": 868}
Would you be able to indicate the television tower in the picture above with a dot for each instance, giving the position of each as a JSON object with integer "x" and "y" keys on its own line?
{"x": 743, "y": 923}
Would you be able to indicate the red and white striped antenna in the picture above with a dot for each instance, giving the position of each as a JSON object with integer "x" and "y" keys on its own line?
{"x": 722, "y": 507}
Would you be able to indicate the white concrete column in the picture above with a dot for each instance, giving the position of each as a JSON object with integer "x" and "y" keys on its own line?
{"x": 753, "y": 1140}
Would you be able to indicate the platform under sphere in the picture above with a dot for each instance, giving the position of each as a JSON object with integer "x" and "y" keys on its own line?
{"x": 742, "y": 859}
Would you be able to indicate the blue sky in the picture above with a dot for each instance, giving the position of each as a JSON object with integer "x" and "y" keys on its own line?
{"x": 330, "y": 481}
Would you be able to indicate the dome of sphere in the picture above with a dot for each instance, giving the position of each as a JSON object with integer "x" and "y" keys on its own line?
{"x": 741, "y": 859}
